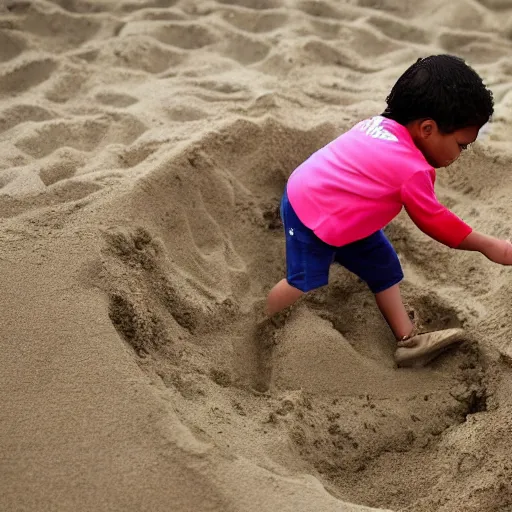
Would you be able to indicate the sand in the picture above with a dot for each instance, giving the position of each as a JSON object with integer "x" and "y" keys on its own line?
{"x": 145, "y": 145}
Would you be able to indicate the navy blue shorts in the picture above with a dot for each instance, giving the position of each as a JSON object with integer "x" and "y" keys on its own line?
{"x": 308, "y": 259}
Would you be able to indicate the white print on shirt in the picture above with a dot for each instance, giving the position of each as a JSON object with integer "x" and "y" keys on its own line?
{"x": 290, "y": 231}
{"x": 372, "y": 127}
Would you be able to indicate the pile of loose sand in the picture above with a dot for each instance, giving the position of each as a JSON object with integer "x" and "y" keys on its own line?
{"x": 145, "y": 146}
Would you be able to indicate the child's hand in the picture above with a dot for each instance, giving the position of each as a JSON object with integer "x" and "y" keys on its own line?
{"x": 499, "y": 251}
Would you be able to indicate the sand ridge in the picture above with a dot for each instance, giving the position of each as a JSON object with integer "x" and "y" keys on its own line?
{"x": 145, "y": 147}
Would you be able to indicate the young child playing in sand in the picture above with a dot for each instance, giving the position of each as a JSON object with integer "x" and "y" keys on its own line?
{"x": 336, "y": 203}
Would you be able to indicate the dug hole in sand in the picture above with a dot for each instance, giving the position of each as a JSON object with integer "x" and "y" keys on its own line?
{"x": 145, "y": 149}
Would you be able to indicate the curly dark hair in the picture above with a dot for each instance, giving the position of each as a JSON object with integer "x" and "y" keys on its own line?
{"x": 443, "y": 88}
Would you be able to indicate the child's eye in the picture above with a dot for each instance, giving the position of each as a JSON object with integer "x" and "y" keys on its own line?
{"x": 463, "y": 146}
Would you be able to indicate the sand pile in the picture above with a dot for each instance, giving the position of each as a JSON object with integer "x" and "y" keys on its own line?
{"x": 145, "y": 146}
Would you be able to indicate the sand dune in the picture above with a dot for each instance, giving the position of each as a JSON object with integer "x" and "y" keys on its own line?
{"x": 145, "y": 147}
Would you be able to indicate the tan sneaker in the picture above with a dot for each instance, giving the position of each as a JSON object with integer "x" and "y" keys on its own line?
{"x": 420, "y": 349}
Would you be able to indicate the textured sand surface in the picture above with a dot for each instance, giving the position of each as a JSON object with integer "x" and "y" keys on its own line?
{"x": 145, "y": 146}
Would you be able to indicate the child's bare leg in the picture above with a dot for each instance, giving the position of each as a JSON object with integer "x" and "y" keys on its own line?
{"x": 392, "y": 308}
{"x": 281, "y": 296}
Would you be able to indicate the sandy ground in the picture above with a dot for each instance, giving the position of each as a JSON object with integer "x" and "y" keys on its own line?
{"x": 145, "y": 145}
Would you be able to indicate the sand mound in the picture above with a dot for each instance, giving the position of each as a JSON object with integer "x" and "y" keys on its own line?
{"x": 146, "y": 144}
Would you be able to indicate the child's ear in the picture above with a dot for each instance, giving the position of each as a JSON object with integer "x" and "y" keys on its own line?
{"x": 427, "y": 128}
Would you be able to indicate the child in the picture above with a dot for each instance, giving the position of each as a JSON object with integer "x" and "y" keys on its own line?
{"x": 336, "y": 203}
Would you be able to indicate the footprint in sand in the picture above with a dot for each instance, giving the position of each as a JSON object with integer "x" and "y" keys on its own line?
{"x": 253, "y": 4}
{"x": 18, "y": 114}
{"x": 320, "y": 9}
{"x": 84, "y": 135}
{"x": 187, "y": 35}
{"x": 11, "y": 45}
{"x": 22, "y": 75}
{"x": 115, "y": 99}
{"x": 256, "y": 22}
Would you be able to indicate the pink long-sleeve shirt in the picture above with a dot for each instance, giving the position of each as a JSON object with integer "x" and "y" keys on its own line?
{"x": 358, "y": 183}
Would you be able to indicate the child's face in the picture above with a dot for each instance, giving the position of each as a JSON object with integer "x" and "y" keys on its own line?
{"x": 441, "y": 149}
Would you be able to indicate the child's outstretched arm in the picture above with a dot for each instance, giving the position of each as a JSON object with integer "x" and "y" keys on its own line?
{"x": 440, "y": 223}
